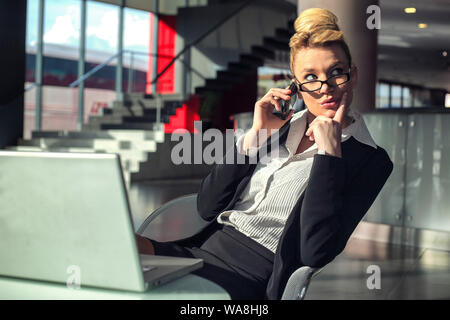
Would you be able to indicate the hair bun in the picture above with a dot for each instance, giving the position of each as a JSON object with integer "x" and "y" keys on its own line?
{"x": 314, "y": 20}
{"x": 316, "y": 27}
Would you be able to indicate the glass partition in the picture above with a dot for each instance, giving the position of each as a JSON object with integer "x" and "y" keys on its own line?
{"x": 416, "y": 194}
{"x": 428, "y": 172}
{"x": 388, "y": 131}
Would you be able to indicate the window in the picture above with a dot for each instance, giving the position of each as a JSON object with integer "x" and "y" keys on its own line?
{"x": 396, "y": 96}
{"x": 383, "y": 95}
{"x": 406, "y": 97}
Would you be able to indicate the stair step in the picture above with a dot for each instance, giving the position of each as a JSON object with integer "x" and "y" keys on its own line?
{"x": 39, "y": 149}
{"x": 203, "y": 90}
{"x": 124, "y": 116}
{"x": 133, "y": 111}
{"x": 108, "y": 145}
{"x": 251, "y": 60}
{"x": 139, "y": 95}
{"x": 276, "y": 44}
{"x": 230, "y": 75}
{"x": 105, "y": 111}
{"x": 240, "y": 67}
{"x": 263, "y": 52}
{"x": 145, "y": 103}
{"x": 157, "y": 135}
{"x": 128, "y": 126}
{"x": 220, "y": 82}
{"x": 147, "y": 119}
{"x": 282, "y": 34}
{"x": 105, "y": 119}
{"x": 72, "y": 134}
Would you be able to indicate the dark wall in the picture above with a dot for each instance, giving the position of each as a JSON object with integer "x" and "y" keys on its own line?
{"x": 12, "y": 77}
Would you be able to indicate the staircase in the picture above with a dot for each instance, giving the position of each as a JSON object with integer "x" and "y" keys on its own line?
{"x": 272, "y": 49}
{"x": 129, "y": 126}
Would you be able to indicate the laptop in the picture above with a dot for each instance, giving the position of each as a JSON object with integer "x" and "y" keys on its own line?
{"x": 66, "y": 216}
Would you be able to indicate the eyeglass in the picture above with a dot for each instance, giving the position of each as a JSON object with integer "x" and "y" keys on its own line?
{"x": 315, "y": 85}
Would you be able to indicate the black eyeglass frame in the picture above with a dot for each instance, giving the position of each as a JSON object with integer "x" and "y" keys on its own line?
{"x": 299, "y": 85}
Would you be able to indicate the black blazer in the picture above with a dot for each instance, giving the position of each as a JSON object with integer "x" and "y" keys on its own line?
{"x": 339, "y": 193}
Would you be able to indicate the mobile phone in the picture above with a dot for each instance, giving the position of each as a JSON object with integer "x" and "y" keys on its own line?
{"x": 287, "y": 105}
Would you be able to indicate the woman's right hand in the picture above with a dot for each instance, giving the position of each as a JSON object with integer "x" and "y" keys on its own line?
{"x": 263, "y": 118}
{"x": 264, "y": 121}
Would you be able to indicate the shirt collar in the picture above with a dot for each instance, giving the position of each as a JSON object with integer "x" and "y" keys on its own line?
{"x": 357, "y": 130}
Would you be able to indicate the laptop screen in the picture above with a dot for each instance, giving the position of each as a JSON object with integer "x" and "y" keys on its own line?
{"x": 62, "y": 212}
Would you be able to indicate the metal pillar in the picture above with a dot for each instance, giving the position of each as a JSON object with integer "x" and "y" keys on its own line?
{"x": 130, "y": 72}
{"x": 155, "y": 30}
{"x": 81, "y": 61}
{"x": 119, "y": 68}
{"x": 39, "y": 65}
{"x": 186, "y": 67}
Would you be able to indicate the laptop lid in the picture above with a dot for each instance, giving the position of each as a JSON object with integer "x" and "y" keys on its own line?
{"x": 66, "y": 213}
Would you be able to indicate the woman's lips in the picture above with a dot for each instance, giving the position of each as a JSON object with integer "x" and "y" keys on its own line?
{"x": 328, "y": 104}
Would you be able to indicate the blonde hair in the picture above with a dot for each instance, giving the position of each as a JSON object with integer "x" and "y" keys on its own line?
{"x": 316, "y": 27}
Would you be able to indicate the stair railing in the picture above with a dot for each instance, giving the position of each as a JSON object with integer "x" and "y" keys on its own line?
{"x": 204, "y": 35}
{"x": 162, "y": 72}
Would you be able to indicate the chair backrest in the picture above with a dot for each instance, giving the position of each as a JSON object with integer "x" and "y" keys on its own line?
{"x": 179, "y": 219}
{"x": 298, "y": 283}
{"x": 175, "y": 220}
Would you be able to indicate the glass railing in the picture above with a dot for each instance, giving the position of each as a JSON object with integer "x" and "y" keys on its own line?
{"x": 416, "y": 193}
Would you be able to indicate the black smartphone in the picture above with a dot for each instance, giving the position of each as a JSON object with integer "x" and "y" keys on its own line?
{"x": 287, "y": 105}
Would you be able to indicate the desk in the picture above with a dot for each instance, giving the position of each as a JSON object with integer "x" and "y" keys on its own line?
{"x": 189, "y": 287}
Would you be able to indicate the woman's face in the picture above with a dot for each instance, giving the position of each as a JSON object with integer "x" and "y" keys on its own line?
{"x": 321, "y": 63}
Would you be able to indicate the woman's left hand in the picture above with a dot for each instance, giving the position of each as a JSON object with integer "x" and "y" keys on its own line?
{"x": 327, "y": 131}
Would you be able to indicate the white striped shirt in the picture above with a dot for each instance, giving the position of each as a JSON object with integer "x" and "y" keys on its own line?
{"x": 277, "y": 183}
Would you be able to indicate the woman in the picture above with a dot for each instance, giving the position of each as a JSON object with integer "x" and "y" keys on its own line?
{"x": 301, "y": 205}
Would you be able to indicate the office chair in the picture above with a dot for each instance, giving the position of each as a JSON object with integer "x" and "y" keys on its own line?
{"x": 179, "y": 219}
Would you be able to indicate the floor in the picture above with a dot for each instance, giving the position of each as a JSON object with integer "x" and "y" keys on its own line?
{"x": 366, "y": 269}
{"x": 404, "y": 273}
{"x": 145, "y": 197}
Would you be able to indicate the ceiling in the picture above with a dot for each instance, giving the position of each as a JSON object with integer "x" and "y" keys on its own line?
{"x": 412, "y": 55}
{"x": 406, "y": 53}
{"x": 165, "y": 6}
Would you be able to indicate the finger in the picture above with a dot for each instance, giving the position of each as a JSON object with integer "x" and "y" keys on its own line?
{"x": 311, "y": 126}
{"x": 275, "y": 91}
{"x": 285, "y": 90}
{"x": 341, "y": 111}
{"x": 276, "y": 104}
{"x": 277, "y": 97}
{"x": 281, "y": 95}
{"x": 310, "y": 131}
